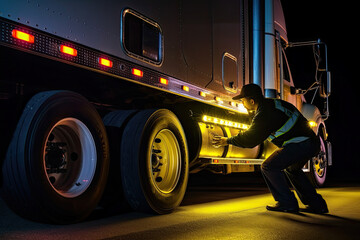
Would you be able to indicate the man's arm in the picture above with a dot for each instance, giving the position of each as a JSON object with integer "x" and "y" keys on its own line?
{"x": 260, "y": 129}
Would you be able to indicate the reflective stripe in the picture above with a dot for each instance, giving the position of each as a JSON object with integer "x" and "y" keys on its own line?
{"x": 295, "y": 140}
{"x": 293, "y": 117}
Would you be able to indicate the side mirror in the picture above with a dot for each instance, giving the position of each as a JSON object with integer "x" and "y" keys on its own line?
{"x": 325, "y": 86}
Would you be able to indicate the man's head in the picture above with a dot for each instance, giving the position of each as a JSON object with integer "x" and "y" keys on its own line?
{"x": 251, "y": 95}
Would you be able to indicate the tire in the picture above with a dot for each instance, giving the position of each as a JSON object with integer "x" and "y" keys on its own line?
{"x": 113, "y": 200}
{"x": 57, "y": 162}
{"x": 318, "y": 166}
{"x": 154, "y": 161}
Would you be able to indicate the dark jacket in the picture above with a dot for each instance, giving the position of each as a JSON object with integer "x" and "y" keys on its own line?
{"x": 270, "y": 117}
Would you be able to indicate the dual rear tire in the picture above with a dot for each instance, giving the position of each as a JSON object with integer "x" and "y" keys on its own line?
{"x": 154, "y": 161}
{"x": 57, "y": 163}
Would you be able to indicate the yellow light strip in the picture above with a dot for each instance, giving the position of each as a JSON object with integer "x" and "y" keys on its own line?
{"x": 224, "y": 122}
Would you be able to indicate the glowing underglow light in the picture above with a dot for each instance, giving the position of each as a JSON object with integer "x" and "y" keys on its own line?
{"x": 224, "y": 122}
{"x": 137, "y": 72}
{"x": 164, "y": 81}
{"x": 68, "y": 50}
{"x": 23, "y": 36}
{"x": 105, "y": 62}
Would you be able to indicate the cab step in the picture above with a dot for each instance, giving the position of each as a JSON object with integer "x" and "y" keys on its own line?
{"x": 233, "y": 161}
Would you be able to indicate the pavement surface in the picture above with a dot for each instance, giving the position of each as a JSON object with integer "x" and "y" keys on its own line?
{"x": 212, "y": 211}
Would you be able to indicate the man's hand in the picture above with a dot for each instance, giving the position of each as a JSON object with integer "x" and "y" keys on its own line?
{"x": 219, "y": 141}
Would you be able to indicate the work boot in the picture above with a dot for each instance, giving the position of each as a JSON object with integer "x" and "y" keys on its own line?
{"x": 319, "y": 208}
{"x": 280, "y": 207}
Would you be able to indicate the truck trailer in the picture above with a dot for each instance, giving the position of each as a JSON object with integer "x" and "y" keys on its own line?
{"x": 124, "y": 97}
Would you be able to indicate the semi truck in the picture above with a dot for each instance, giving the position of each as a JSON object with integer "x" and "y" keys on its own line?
{"x": 124, "y": 98}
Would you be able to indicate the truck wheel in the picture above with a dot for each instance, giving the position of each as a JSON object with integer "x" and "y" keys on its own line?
{"x": 318, "y": 168}
{"x": 154, "y": 161}
{"x": 57, "y": 162}
{"x": 113, "y": 198}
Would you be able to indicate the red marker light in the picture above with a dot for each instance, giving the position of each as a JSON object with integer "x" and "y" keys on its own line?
{"x": 23, "y": 36}
{"x": 68, "y": 50}
{"x": 164, "y": 81}
{"x": 137, "y": 72}
{"x": 216, "y": 161}
{"x": 105, "y": 62}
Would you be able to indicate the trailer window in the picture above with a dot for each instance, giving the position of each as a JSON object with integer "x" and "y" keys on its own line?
{"x": 141, "y": 37}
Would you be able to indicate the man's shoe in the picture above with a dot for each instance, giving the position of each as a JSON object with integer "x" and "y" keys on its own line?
{"x": 318, "y": 207}
{"x": 317, "y": 210}
{"x": 278, "y": 207}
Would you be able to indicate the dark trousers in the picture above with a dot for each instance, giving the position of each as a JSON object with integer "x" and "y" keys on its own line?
{"x": 288, "y": 161}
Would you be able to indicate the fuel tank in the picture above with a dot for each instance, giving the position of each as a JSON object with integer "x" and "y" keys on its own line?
{"x": 209, "y": 130}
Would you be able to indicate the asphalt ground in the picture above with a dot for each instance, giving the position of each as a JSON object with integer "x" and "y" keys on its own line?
{"x": 215, "y": 207}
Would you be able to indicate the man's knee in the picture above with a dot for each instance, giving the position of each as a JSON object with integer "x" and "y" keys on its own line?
{"x": 269, "y": 166}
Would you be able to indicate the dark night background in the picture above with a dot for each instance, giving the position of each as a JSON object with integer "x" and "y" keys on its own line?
{"x": 335, "y": 23}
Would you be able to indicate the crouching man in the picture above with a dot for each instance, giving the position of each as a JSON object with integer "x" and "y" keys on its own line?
{"x": 281, "y": 123}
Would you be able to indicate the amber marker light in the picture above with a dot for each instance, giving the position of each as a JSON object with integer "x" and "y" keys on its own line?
{"x": 185, "y": 88}
{"x": 105, "y": 62}
{"x": 312, "y": 124}
{"x": 164, "y": 81}
{"x": 203, "y": 94}
{"x": 219, "y": 100}
{"x": 137, "y": 72}
{"x": 23, "y": 36}
{"x": 68, "y": 50}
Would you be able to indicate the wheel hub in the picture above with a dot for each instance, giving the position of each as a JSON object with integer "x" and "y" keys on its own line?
{"x": 55, "y": 155}
{"x": 70, "y": 157}
{"x": 165, "y": 161}
{"x": 319, "y": 164}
